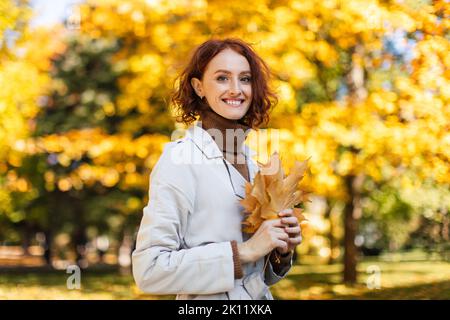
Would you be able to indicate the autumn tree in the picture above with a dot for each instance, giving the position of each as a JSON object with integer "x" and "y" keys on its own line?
{"x": 92, "y": 157}
{"x": 21, "y": 80}
{"x": 373, "y": 130}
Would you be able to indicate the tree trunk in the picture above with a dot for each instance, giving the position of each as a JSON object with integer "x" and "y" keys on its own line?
{"x": 79, "y": 235}
{"x": 48, "y": 247}
{"x": 26, "y": 238}
{"x": 330, "y": 231}
{"x": 352, "y": 213}
{"x": 445, "y": 227}
{"x": 334, "y": 242}
{"x": 51, "y": 228}
{"x": 124, "y": 253}
{"x": 355, "y": 81}
{"x": 445, "y": 235}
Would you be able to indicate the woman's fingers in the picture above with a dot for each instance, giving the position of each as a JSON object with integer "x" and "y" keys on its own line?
{"x": 291, "y": 221}
{"x": 281, "y": 234}
{"x": 281, "y": 244}
{"x": 293, "y": 230}
{"x": 287, "y": 215}
{"x": 286, "y": 212}
{"x": 274, "y": 223}
{"x": 295, "y": 241}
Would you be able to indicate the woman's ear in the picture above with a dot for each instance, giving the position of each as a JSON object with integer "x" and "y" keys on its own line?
{"x": 197, "y": 85}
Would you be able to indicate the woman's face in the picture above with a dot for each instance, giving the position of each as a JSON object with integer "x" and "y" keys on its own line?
{"x": 226, "y": 84}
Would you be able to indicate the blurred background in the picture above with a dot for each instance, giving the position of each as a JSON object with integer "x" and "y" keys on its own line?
{"x": 364, "y": 90}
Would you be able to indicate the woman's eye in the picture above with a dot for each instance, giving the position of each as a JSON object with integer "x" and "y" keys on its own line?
{"x": 245, "y": 79}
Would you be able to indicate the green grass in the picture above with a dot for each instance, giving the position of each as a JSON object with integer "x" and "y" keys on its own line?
{"x": 400, "y": 279}
{"x": 99, "y": 284}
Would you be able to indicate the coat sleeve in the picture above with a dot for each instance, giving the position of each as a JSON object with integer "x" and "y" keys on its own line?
{"x": 159, "y": 264}
{"x": 271, "y": 277}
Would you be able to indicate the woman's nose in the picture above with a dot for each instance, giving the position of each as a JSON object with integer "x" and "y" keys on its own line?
{"x": 235, "y": 87}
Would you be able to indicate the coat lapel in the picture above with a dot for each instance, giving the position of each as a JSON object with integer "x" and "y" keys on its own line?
{"x": 203, "y": 140}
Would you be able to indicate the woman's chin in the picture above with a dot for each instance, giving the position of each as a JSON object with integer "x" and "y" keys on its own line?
{"x": 233, "y": 114}
{"x": 235, "y": 117}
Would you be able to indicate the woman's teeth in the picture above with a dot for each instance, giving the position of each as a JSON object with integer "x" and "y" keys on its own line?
{"x": 233, "y": 102}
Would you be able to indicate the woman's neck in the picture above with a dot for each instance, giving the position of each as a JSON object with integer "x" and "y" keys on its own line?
{"x": 235, "y": 139}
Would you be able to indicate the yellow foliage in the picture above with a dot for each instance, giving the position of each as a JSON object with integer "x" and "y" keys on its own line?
{"x": 405, "y": 126}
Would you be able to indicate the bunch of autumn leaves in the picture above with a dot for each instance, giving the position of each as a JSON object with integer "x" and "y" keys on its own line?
{"x": 272, "y": 192}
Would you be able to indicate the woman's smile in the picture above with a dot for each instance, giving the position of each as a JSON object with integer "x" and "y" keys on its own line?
{"x": 234, "y": 102}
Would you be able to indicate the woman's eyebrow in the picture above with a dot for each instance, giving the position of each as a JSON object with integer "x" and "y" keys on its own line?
{"x": 226, "y": 71}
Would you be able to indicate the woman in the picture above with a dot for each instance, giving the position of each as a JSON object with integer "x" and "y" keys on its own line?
{"x": 190, "y": 241}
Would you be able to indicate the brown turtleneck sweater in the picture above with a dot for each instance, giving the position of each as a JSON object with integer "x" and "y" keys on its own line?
{"x": 232, "y": 151}
{"x": 231, "y": 144}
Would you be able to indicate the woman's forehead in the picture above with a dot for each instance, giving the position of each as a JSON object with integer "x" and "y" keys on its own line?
{"x": 228, "y": 61}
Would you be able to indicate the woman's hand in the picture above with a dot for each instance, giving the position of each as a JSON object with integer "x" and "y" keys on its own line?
{"x": 292, "y": 228}
{"x": 270, "y": 235}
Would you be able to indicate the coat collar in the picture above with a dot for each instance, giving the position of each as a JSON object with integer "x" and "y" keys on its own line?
{"x": 208, "y": 146}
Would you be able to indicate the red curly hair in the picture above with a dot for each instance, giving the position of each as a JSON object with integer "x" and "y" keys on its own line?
{"x": 189, "y": 105}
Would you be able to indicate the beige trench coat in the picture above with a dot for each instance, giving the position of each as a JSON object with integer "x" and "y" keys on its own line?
{"x": 183, "y": 243}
